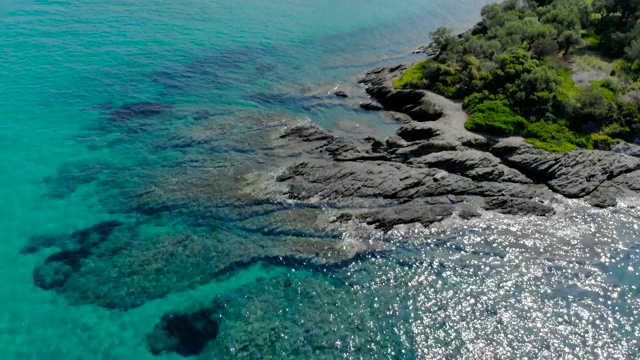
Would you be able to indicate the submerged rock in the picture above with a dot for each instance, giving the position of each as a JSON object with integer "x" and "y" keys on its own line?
{"x": 70, "y": 177}
{"x": 185, "y": 334}
{"x": 139, "y": 110}
{"x": 129, "y": 268}
{"x": 305, "y": 309}
{"x": 59, "y": 267}
{"x": 81, "y": 239}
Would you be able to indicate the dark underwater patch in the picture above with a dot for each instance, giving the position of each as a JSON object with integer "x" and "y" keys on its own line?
{"x": 138, "y": 110}
{"x": 185, "y": 334}
{"x": 215, "y": 71}
{"x": 128, "y": 269}
{"x": 70, "y": 177}
{"x": 58, "y": 267}
{"x": 81, "y": 239}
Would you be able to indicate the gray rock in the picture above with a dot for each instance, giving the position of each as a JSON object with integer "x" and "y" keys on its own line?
{"x": 575, "y": 175}
{"x": 476, "y": 165}
{"x": 630, "y": 181}
{"x": 414, "y": 103}
{"x": 422, "y": 148}
{"x": 307, "y": 133}
{"x": 426, "y": 215}
{"x": 627, "y": 149}
{"x": 604, "y": 197}
{"x": 329, "y": 181}
{"x": 608, "y": 193}
{"x": 417, "y": 132}
{"x": 397, "y": 117}
{"x": 516, "y": 206}
{"x": 371, "y": 106}
{"x": 440, "y": 176}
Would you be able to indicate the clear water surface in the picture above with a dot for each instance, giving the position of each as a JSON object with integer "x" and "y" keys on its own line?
{"x": 495, "y": 287}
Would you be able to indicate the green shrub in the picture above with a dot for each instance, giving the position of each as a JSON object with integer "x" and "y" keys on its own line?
{"x": 591, "y": 39}
{"x": 567, "y": 87}
{"x": 554, "y": 147}
{"x": 413, "y": 77}
{"x": 472, "y": 101}
{"x": 617, "y": 131}
{"x": 446, "y": 91}
{"x": 629, "y": 71}
{"x": 494, "y": 117}
{"x": 554, "y": 133}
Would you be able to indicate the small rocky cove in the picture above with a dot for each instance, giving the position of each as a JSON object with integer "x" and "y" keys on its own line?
{"x": 275, "y": 190}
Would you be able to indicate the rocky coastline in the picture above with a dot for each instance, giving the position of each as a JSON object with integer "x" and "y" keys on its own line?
{"x": 433, "y": 168}
{"x": 274, "y": 190}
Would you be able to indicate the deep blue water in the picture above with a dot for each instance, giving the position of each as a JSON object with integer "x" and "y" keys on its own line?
{"x": 495, "y": 287}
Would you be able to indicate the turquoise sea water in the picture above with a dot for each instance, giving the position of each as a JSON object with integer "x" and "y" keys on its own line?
{"x": 497, "y": 287}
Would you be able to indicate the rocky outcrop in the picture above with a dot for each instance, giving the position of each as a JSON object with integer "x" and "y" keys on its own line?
{"x": 414, "y": 103}
{"x": 423, "y": 189}
{"x": 433, "y": 168}
{"x": 574, "y": 175}
{"x": 627, "y": 149}
{"x": 473, "y": 164}
{"x": 599, "y": 176}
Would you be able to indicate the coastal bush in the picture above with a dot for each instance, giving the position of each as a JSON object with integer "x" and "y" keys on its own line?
{"x": 413, "y": 77}
{"x": 514, "y": 73}
{"x": 555, "y": 147}
{"x": 494, "y": 117}
{"x": 542, "y": 48}
{"x": 444, "y": 79}
{"x": 554, "y": 137}
{"x": 602, "y": 141}
{"x": 472, "y": 101}
{"x": 443, "y": 39}
{"x": 590, "y": 110}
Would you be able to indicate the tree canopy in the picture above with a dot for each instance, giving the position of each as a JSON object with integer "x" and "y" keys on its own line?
{"x": 512, "y": 71}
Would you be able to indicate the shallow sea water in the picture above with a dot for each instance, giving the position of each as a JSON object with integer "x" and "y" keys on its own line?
{"x": 496, "y": 287}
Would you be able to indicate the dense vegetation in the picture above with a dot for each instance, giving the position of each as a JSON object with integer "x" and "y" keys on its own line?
{"x": 514, "y": 71}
